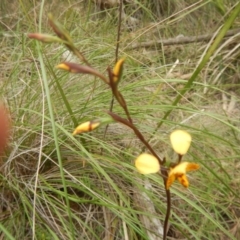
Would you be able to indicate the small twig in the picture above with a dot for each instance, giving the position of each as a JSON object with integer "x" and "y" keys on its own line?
{"x": 181, "y": 40}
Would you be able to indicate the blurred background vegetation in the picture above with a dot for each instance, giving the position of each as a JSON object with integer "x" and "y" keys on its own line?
{"x": 56, "y": 186}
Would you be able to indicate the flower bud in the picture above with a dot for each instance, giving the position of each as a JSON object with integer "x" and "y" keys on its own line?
{"x": 86, "y": 127}
{"x": 46, "y": 38}
{"x": 118, "y": 70}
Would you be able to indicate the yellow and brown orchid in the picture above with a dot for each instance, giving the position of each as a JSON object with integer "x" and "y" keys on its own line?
{"x": 179, "y": 172}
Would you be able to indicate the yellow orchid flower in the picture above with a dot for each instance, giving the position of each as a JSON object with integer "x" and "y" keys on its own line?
{"x": 181, "y": 141}
{"x": 86, "y": 127}
{"x": 179, "y": 173}
{"x": 147, "y": 163}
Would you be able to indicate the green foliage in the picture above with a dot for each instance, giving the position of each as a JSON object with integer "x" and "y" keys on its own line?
{"x": 57, "y": 186}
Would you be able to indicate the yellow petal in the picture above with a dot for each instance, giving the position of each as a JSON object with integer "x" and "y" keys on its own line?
{"x": 192, "y": 166}
{"x": 179, "y": 169}
{"x": 184, "y": 167}
{"x": 86, "y": 127}
{"x": 147, "y": 163}
{"x": 183, "y": 180}
{"x": 170, "y": 180}
{"x": 180, "y": 141}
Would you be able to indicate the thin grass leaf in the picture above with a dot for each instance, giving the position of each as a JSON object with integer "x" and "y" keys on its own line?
{"x": 6, "y": 232}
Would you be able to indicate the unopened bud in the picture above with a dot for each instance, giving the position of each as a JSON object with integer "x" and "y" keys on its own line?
{"x": 46, "y": 38}
{"x": 86, "y": 127}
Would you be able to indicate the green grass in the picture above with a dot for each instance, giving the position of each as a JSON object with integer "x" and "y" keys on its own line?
{"x": 56, "y": 186}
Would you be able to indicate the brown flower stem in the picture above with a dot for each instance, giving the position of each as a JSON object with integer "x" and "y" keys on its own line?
{"x": 179, "y": 158}
{"x": 117, "y": 118}
{"x": 123, "y": 104}
{"x": 118, "y": 95}
{"x": 164, "y": 174}
{"x": 110, "y": 109}
{"x": 165, "y": 227}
